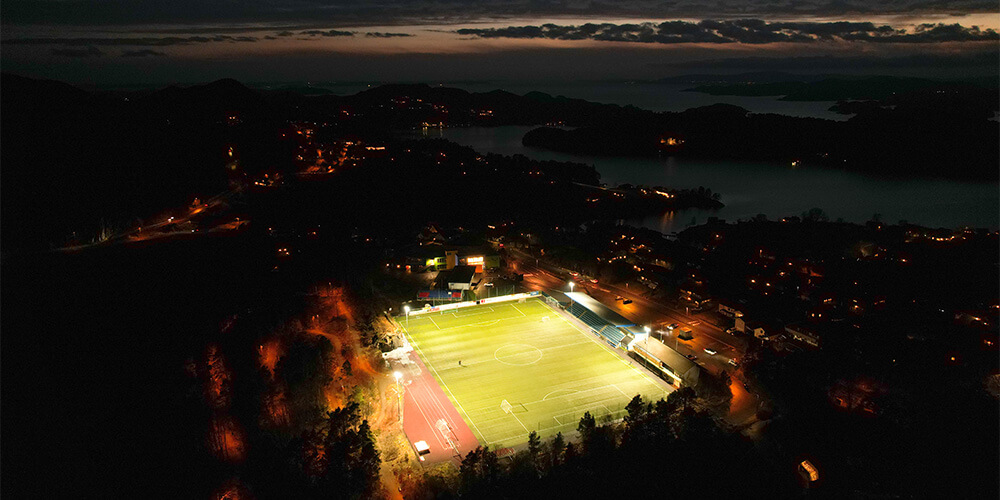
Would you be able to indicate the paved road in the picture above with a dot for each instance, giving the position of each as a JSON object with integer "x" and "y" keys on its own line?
{"x": 152, "y": 230}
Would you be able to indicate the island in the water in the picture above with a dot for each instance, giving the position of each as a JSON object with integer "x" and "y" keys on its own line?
{"x": 944, "y": 131}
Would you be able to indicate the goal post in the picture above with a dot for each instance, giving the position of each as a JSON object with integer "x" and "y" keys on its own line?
{"x": 506, "y": 407}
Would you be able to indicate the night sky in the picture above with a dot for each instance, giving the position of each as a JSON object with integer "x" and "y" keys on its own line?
{"x": 118, "y": 42}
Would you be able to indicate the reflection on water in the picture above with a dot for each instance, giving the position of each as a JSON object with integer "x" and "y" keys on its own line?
{"x": 666, "y": 221}
{"x": 774, "y": 190}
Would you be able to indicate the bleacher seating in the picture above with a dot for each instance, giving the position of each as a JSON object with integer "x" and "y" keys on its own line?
{"x": 614, "y": 335}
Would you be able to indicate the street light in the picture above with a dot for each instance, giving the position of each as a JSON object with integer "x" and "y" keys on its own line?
{"x": 399, "y": 394}
{"x": 406, "y": 309}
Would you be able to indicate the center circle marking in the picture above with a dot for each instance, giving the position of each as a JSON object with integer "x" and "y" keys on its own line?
{"x": 518, "y": 354}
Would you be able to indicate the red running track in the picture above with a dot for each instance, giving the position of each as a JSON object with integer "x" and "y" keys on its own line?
{"x": 425, "y": 404}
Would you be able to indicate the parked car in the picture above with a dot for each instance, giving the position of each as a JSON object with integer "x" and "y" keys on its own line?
{"x": 711, "y": 352}
{"x": 618, "y": 297}
{"x": 673, "y": 326}
{"x": 734, "y": 363}
{"x": 692, "y": 357}
{"x": 489, "y": 283}
{"x": 627, "y": 301}
{"x": 731, "y": 331}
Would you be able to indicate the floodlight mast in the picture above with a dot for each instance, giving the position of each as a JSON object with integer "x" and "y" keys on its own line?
{"x": 406, "y": 309}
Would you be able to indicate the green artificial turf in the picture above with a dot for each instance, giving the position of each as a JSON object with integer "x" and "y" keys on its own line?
{"x": 550, "y": 371}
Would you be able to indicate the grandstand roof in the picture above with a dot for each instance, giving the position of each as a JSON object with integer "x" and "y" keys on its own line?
{"x": 601, "y": 310}
{"x": 676, "y": 361}
{"x": 458, "y": 274}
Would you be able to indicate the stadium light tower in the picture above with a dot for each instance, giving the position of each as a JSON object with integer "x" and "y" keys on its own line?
{"x": 406, "y": 309}
{"x": 571, "y": 289}
{"x": 399, "y": 394}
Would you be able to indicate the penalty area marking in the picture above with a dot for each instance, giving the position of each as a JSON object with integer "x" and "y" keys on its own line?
{"x": 486, "y": 323}
{"x": 566, "y": 392}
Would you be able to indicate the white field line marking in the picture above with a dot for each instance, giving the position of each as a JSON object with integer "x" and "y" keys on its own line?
{"x": 426, "y": 419}
{"x": 518, "y": 310}
{"x": 560, "y": 424}
{"x": 519, "y": 421}
{"x": 605, "y": 347}
{"x": 478, "y": 312}
{"x": 567, "y": 391}
{"x": 487, "y": 322}
{"x": 428, "y": 363}
{"x": 584, "y": 391}
{"x": 435, "y": 323}
{"x": 619, "y": 390}
{"x": 443, "y": 412}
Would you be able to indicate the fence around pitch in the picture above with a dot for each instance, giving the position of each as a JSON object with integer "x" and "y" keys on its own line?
{"x": 470, "y": 303}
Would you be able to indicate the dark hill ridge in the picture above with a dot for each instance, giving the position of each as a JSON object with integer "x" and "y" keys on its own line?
{"x": 75, "y": 156}
{"x": 837, "y": 88}
{"x": 756, "y": 77}
{"x": 924, "y": 134}
{"x": 211, "y": 101}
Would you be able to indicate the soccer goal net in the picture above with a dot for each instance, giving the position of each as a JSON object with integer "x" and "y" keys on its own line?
{"x": 552, "y": 302}
{"x": 506, "y": 407}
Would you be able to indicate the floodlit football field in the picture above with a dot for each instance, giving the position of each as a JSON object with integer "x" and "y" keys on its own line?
{"x": 526, "y": 353}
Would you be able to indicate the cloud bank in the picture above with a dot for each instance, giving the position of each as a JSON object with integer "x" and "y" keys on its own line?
{"x": 354, "y": 13}
{"x": 142, "y": 53}
{"x": 78, "y": 53}
{"x": 745, "y": 31}
{"x": 133, "y": 41}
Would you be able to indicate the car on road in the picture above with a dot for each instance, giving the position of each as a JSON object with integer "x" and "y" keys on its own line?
{"x": 711, "y": 352}
{"x": 692, "y": 357}
{"x": 734, "y": 363}
{"x": 574, "y": 274}
{"x": 694, "y": 323}
{"x": 489, "y": 283}
{"x": 627, "y": 301}
{"x": 731, "y": 331}
{"x": 618, "y": 297}
{"x": 673, "y": 326}
{"x": 594, "y": 281}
